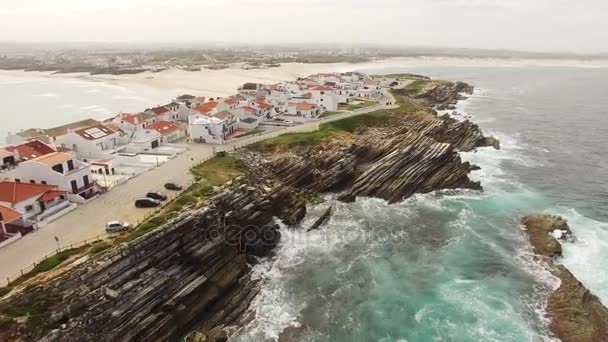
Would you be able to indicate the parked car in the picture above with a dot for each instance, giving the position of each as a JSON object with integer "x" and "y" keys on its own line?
{"x": 146, "y": 203}
{"x": 173, "y": 186}
{"x": 116, "y": 227}
{"x": 157, "y": 196}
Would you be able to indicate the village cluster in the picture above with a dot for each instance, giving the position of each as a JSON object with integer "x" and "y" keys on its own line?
{"x": 45, "y": 173}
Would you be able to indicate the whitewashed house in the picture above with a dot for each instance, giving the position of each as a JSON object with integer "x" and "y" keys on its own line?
{"x": 205, "y": 129}
{"x": 143, "y": 141}
{"x": 323, "y": 96}
{"x": 169, "y": 131}
{"x": 303, "y": 111}
{"x": 37, "y": 203}
{"x": 60, "y": 169}
{"x": 94, "y": 142}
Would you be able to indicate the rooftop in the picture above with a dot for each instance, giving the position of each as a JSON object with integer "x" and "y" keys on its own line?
{"x": 55, "y": 131}
{"x": 13, "y": 192}
{"x": 93, "y": 133}
{"x": 8, "y": 215}
{"x": 53, "y": 159}
{"x": 223, "y": 114}
{"x": 163, "y": 127}
{"x": 31, "y": 149}
{"x": 159, "y": 110}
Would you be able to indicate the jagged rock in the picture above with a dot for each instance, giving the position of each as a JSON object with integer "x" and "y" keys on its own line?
{"x": 540, "y": 228}
{"x": 576, "y": 314}
{"x": 408, "y": 155}
{"x": 191, "y": 273}
{"x": 322, "y": 219}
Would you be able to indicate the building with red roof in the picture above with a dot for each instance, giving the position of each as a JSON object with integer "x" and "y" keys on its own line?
{"x": 30, "y": 150}
{"x": 36, "y": 203}
{"x": 169, "y": 131}
{"x": 92, "y": 142}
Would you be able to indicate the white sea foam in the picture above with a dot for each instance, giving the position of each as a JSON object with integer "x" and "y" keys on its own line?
{"x": 587, "y": 256}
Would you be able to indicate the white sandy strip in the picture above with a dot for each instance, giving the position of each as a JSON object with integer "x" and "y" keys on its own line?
{"x": 212, "y": 83}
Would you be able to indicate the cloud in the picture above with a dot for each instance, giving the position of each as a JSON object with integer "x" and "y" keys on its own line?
{"x": 513, "y": 24}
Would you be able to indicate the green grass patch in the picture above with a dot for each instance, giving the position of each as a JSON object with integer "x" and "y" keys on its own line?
{"x": 99, "y": 247}
{"x": 346, "y": 125}
{"x": 219, "y": 170}
{"x": 361, "y": 104}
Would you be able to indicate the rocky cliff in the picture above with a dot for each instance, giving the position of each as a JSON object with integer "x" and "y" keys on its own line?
{"x": 576, "y": 314}
{"x": 405, "y": 155}
{"x": 192, "y": 274}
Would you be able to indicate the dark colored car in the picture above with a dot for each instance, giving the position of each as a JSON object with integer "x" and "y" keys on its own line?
{"x": 157, "y": 196}
{"x": 173, "y": 186}
{"x": 146, "y": 203}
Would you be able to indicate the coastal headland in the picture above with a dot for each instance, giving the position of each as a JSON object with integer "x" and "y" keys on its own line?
{"x": 188, "y": 268}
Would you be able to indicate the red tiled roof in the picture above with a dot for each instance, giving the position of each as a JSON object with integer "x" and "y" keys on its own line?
{"x": 307, "y": 96}
{"x": 302, "y": 106}
{"x": 50, "y": 195}
{"x": 231, "y": 101}
{"x": 203, "y": 109}
{"x": 12, "y": 192}
{"x": 160, "y": 110}
{"x": 211, "y": 104}
{"x": 163, "y": 127}
{"x": 249, "y": 109}
{"x": 263, "y": 105}
{"x": 8, "y": 215}
{"x": 322, "y": 88}
{"x": 133, "y": 119}
{"x": 31, "y": 149}
{"x": 94, "y": 132}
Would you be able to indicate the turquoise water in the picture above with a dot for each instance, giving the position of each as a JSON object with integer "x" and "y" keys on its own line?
{"x": 454, "y": 266}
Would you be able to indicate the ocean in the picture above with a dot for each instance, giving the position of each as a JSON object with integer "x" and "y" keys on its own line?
{"x": 43, "y": 102}
{"x": 455, "y": 265}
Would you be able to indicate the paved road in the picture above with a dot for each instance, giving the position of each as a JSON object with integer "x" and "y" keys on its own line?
{"x": 88, "y": 220}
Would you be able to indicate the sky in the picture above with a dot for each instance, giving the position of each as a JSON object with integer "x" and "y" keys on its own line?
{"x": 532, "y": 25}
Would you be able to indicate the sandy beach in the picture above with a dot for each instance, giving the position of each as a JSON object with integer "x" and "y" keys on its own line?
{"x": 212, "y": 83}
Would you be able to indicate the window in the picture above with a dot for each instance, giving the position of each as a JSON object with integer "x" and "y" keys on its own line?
{"x": 17, "y": 180}
{"x": 75, "y": 147}
{"x": 70, "y": 165}
{"x": 32, "y": 181}
{"x": 85, "y": 179}
{"x": 43, "y": 182}
{"x": 29, "y": 208}
{"x": 58, "y": 168}
{"x": 74, "y": 186}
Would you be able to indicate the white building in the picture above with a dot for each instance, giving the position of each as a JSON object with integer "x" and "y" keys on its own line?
{"x": 324, "y": 96}
{"x": 94, "y": 142}
{"x": 59, "y": 169}
{"x": 303, "y": 111}
{"x": 169, "y": 132}
{"x": 143, "y": 141}
{"x": 205, "y": 129}
{"x": 37, "y": 203}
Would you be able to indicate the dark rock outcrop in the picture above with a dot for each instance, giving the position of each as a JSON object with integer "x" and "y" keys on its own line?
{"x": 191, "y": 274}
{"x": 576, "y": 314}
{"x": 411, "y": 154}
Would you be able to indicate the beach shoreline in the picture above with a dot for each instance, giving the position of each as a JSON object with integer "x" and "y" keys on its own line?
{"x": 220, "y": 83}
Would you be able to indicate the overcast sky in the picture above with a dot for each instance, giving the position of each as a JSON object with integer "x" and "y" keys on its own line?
{"x": 540, "y": 25}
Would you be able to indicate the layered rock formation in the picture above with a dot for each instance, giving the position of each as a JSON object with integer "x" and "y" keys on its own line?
{"x": 576, "y": 314}
{"x": 410, "y": 154}
{"x": 192, "y": 274}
